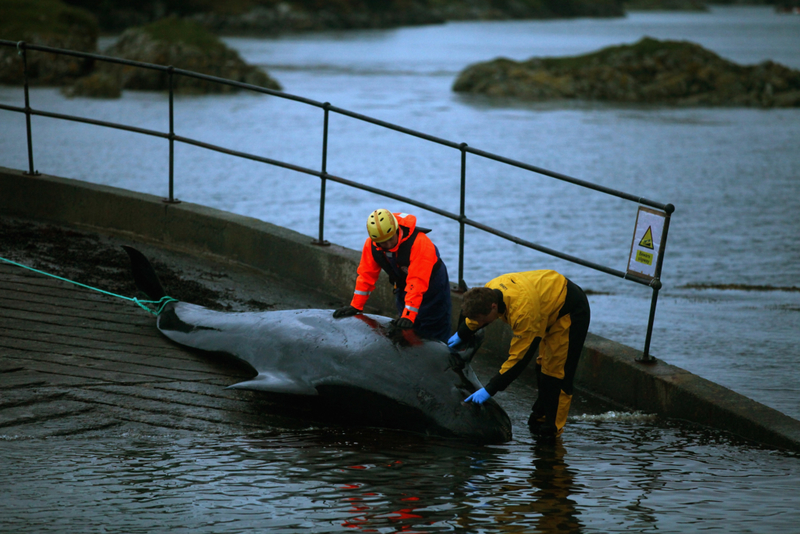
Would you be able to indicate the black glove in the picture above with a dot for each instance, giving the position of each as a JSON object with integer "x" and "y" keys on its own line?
{"x": 400, "y": 331}
{"x": 403, "y": 322}
{"x": 347, "y": 311}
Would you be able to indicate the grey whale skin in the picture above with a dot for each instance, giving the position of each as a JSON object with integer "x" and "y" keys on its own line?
{"x": 351, "y": 365}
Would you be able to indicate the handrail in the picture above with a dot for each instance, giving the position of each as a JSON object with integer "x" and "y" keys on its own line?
{"x": 324, "y": 176}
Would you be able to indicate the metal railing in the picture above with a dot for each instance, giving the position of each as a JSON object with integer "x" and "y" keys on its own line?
{"x": 654, "y": 283}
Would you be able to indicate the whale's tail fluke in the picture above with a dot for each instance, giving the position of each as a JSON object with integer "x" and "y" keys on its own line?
{"x": 144, "y": 275}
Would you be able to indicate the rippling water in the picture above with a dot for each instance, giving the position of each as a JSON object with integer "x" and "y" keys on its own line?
{"x": 611, "y": 472}
{"x": 731, "y": 173}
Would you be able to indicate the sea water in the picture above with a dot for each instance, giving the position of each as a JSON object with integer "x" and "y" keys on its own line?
{"x": 732, "y": 174}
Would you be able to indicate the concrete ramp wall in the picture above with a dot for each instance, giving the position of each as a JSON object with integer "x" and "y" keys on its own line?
{"x": 607, "y": 368}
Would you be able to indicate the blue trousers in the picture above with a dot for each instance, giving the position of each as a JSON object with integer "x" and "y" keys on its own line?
{"x": 433, "y": 319}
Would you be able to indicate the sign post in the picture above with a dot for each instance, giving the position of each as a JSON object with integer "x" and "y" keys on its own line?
{"x": 646, "y": 257}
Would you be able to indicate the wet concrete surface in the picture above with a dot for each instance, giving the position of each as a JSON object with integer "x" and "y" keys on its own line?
{"x": 78, "y": 362}
{"x": 75, "y": 361}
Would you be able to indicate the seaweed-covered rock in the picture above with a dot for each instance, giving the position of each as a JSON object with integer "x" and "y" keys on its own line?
{"x": 96, "y": 85}
{"x": 46, "y": 23}
{"x": 666, "y": 5}
{"x": 649, "y": 71}
{"x": 277, "y": 17}
{"x": 185, "y": 45}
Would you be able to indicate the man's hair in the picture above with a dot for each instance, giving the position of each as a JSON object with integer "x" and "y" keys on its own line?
{"x": 478, "y": 301}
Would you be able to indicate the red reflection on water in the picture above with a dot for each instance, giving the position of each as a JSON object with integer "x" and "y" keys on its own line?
{"x": 401, "y": 514}
{"x": 366, "y": 522}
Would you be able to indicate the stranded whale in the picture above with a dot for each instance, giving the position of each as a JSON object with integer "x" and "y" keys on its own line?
{"x": 355, "y": 365}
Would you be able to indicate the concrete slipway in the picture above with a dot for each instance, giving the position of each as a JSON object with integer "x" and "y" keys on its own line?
{"x": 607, "y": 369}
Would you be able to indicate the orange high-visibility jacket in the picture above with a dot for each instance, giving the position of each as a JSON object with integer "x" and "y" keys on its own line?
{"x": 410, "y": 265}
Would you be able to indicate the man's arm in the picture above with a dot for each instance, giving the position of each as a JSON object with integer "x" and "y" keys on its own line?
{"x": 368, "y": 272}
{"x": 512, "y": 369}
{"x": 523, "y": 348}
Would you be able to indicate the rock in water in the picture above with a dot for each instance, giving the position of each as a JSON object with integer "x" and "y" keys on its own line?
{"x": 185, "y": 45}
{"x": 649, "y": 71}
{"x": 45, "y": 23}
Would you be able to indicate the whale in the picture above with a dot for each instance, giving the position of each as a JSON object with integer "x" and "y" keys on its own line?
{"x": 361, "y": 368}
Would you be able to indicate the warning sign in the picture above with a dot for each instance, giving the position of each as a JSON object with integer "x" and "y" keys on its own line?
{"x": 646, "y": 244}
{"x": 647, "y": 240}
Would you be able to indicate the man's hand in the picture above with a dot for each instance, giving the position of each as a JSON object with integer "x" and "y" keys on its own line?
{"x": 400, "y": 330}
{"x": 454, "y": 341}
{"x": 347, "y": 311}
{"x": 479, "y": 397}
{"x": 403, "y": 322}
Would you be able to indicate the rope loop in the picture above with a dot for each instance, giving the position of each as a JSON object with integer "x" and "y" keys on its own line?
{"x": 158, "y": 304}
{"x": 161, "y": 303}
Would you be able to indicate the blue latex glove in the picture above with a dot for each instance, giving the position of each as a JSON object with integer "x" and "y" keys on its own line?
{"x": 479, "y": 397}
{"x": 454, "y": 341}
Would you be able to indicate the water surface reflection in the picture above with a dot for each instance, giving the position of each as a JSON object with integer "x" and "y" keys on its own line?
{"x": 605, "y": 475}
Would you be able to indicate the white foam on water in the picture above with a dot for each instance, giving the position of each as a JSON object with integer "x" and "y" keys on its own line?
{"x": 627, "y": 417}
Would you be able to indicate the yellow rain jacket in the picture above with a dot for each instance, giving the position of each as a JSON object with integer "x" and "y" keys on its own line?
{"x": 533, "y": 300}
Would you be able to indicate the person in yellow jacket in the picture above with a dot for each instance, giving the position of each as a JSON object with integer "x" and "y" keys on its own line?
{"x": 546, "y": 311}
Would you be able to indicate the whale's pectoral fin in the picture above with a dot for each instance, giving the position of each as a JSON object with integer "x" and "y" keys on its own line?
{"x": 277, "y": 382}
{"x": 458, "y": 359}
{"x": 474, "y": 344}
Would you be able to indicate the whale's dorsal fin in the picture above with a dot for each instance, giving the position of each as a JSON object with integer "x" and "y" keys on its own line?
{"x": 144, "y": 275}
{"x": 276, "y": 383}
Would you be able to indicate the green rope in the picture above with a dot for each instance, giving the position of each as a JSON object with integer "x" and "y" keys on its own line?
{"x": 163, "y": 301}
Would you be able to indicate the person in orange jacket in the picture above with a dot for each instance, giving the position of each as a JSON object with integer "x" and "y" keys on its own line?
{"x": 422, "y": 287}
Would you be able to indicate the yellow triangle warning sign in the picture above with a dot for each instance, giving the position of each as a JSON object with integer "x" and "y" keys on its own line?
{"x": 647, "y": 240}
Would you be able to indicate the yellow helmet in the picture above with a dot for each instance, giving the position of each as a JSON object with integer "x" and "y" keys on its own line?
{"x": 381, "y": 225}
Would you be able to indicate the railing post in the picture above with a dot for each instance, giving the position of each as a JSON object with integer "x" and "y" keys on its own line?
{"x": 656, "y": 285}
{"x": 646, "y": 358}
{"x": 21, "y": 50}
{"x": 171, "y": 199}
{"x": 323, "y": 180}
{"x": 462, "y": 217}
